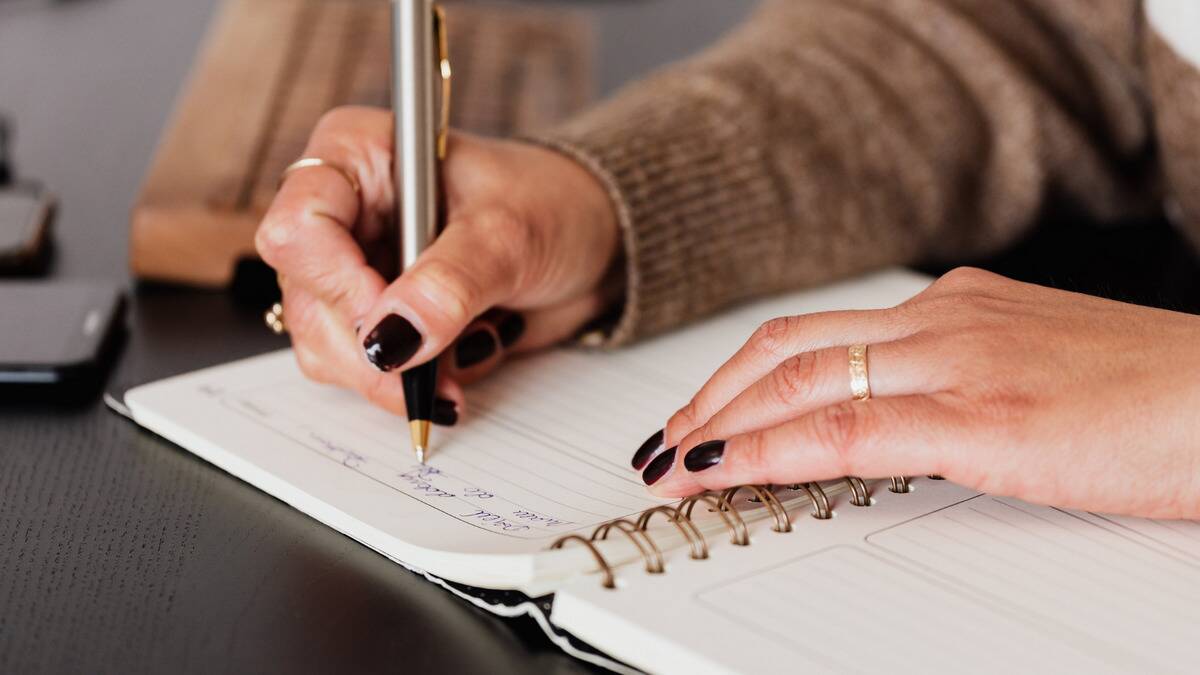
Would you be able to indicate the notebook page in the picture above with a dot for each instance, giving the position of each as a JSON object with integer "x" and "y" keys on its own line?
{"x": 956, "y": 581}
{"x": 543, "y": 451}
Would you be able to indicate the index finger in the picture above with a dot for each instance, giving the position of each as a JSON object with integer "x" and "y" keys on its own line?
{"x": 308, "y": 231}
{"x": 900, "y": 436}
{"x": 772, "y": 344}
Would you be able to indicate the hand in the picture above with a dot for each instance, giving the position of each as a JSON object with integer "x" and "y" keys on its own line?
{"x": 1005, "y": 387}
{"x": 529, "y": 231}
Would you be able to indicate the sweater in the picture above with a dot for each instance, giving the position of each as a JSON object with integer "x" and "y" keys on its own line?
{"x": 826, "y": 138}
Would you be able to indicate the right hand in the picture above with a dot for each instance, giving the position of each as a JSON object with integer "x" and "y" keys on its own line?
{"x": 530, "y": 240}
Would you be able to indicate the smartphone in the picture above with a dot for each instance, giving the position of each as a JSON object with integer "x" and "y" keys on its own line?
{"x": 26, "y": 215}
{"x": 58, "y": 337}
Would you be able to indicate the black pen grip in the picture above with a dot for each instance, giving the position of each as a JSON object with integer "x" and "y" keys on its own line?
{"x": 420, "y": 389}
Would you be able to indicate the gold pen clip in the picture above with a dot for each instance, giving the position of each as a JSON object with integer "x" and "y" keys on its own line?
{"x": 443, "y": 46}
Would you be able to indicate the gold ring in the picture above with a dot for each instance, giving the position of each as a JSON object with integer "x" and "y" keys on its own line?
{"x": 860, "y": 382}
{"x": 313, "y": 162}
{"x": 274, "y": 319}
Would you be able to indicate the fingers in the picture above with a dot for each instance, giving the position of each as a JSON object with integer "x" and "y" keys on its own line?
{"x": 326, "y": 352}
{"x": 472, "y": 266}
{"x": 308, "y": 233}
{"x": 908, "y": 435}
{"x": 810, "y": 381}
{"x": 499, "y": 333}
{"x": 772, "y": 344}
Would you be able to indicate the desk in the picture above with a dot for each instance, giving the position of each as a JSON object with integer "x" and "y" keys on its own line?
{"x": 118, "y": 551}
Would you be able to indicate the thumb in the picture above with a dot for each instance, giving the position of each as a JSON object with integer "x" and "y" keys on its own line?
{"x": 474, "y": 265}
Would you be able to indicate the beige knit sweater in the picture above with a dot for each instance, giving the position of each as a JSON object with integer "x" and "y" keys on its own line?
{"x": 825, "y": 138}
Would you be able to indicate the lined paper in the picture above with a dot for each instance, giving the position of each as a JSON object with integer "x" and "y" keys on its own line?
{"x": 940, "y": 580}
{"x": 820, "y": 606}
{"x": 542, "y": 451}
{"x": 491, "y": 474}
{"x": 1062, "y": 570}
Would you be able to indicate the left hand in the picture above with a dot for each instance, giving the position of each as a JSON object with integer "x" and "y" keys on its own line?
{"x": 1005, "y": 387}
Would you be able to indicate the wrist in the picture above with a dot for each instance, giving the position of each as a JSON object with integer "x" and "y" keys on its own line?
{"x": 589, "y": 207}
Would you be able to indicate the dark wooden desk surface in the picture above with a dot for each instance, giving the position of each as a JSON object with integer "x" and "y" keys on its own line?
{"x": 118, "y": 551}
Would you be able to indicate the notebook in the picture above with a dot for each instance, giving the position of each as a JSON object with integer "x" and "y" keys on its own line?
{"x": 532, "y": 496}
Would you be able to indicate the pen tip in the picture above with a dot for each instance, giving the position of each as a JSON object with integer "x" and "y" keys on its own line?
{"x": 420, "y": 438}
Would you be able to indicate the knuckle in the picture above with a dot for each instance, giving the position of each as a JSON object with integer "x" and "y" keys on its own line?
{"x": 338, "y": 118}
{"x": 272, "y": 239}
{"x": 685, "y": 420}
{"x": 839, "y": 429}
{"x": 332, "y": 287}
{"x": 795, "y": 378}
{"x": 968, "y": 277}
{"x": 773, "y": 338}
{"x": 753, "y": 452}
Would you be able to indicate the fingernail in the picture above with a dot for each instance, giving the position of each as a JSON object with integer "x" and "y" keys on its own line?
{"x": 704, "y": 456}
{"x": 393, "y": 342}
{"x": 652, "y": 445}
{"x": 659, "y": 467}
{"x": 474, "y": 349}
{"x": 511, "y": 329}
{"x": 445, "y": 412}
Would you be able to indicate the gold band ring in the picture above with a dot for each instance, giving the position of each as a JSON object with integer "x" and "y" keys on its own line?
{"x": 314, "y": 162}
{"x": 860, "y": 381}
{"x": 274, "y": 319}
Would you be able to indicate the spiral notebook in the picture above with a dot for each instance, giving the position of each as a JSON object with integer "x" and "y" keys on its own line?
{"x": 532, "y": 495}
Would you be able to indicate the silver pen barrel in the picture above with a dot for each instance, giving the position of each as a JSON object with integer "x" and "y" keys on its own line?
{"x": 413, "y": 99}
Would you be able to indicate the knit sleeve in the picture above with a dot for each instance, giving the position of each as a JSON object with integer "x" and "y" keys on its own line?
{"x": 825, "y": 138}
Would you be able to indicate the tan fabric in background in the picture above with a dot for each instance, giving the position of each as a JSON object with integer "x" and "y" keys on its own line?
{"x": 825, "y": 138}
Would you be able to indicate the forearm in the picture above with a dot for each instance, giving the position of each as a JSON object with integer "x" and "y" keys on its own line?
{"x": 825, "y": 138}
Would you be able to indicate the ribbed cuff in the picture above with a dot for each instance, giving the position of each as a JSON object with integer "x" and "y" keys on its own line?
{"x": 702, "y": 217}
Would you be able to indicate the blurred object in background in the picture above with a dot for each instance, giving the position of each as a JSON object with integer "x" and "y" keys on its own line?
{"x": 5, "y": 151}
{"x": 271, "y": 68}
{"x": 26, "y": 215}
{"x": 59, "y": 340}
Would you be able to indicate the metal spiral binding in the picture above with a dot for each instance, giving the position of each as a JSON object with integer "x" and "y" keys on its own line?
{"x": 729, "y": 515}
{"x": 609, "y": 581}
{"x": 858, "y": 491}
{"x": 723, "y": 505}
{"x": 682, "y": 523}
{"x": 782, "y": 522}
{"x": 649, "y": 551}
{"x": 820, "y": 500}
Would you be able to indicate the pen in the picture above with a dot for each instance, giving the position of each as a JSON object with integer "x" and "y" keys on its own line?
{"x": 420, "y": 60}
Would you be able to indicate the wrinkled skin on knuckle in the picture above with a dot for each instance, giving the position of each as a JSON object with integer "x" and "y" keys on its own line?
{"x": 684, "y": 421}
{"x": 753, "y": 456}
{"x": 839, "y": 430}
{"x": 772, "y": 339}
{"x": 794, "y": 380}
